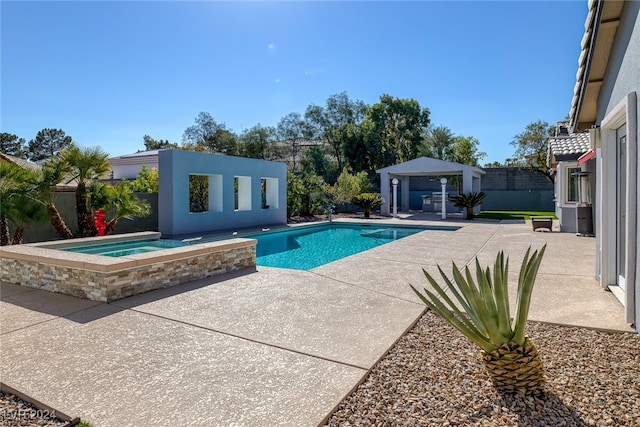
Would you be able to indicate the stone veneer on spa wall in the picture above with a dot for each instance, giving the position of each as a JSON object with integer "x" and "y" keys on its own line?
{"x": 105, "y": 279}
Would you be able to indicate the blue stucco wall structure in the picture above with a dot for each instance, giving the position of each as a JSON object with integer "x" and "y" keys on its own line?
{"x": 174, "y": 216}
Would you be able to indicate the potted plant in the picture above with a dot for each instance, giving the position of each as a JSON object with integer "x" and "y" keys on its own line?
{"x": 510, "y": 357}
{"x": 469, "y": 201}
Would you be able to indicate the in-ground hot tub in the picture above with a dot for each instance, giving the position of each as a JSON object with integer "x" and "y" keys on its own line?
{"x": 51, "y": 266}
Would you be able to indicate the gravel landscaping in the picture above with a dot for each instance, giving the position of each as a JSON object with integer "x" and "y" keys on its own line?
{"x": 433, "y": 377}
{"x": 15, "y": 412}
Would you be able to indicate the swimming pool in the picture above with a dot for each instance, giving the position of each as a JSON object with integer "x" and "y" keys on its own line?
{"x": 120, "y": 249}
{"x": 311, "y": 247}
{"x": 146, "y": 263}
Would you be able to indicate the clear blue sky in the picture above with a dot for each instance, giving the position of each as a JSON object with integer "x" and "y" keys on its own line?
{"x": 108, "y": 73}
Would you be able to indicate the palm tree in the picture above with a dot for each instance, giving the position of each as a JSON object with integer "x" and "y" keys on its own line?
{"x": 511, "y": 359}
{"x": 86, "y": 166}
{"x": 4, "y": 229}
{"x": 118, "y": 201}
{"x": 437, "y": 143}
{"x": 31, "y": 211}
{"x": 53, "y": 173}
{"x": 12, "y": 178}
{"x": 469, "y": 201}
{"x": 17, "y": 201}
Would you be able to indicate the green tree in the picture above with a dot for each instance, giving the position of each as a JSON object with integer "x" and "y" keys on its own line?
{"x": 223, "y": 142}
{"x": 157, "y": 144}
{"x": 348, "y": 186}
{"x": 356, "y": 154}
{"x": 495, "y": 164}
{"x": 147, "y": 181}
{"x": 99, "y": 195}
{"x": 210, "y": 136}
{"x": 304, "y": 194}
{"x": 199, "y": 193}
{"x": 17, "y": 204}
{"x": 13, "y": 145}
{"x": 394, "y": 129}
{"x": 531, "y": 146}
{"x": 315, "y": 161}
{"x": 437, "y": 143}
{"x": 53, "y": 172}
{"x": 47, "y": 144}
{"x": 31, "y": 211}
{"x": 196, "y": 134}
{"x": 465, "y": 151}
{"x": 86, "y": 165}
{"x": 117, "y": 201}
{"x": 257, "y": 143}
{"x": 441, "y": 143}
{"x": 11, "y": 185}
{"x": 332, "y": 122}
{"x": 293, "y": 130}
{"x": 123, "y": 204}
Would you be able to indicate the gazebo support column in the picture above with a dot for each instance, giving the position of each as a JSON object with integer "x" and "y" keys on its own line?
{"x": 404, "y": 185}
{"x": 385, "y": 186}
{"x": 467, "y": 181}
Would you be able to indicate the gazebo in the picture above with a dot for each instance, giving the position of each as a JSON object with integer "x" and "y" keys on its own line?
{"x": 420, "y": 167}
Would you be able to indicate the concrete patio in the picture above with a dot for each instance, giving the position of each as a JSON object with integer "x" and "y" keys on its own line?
{"x": 266, "y": 347}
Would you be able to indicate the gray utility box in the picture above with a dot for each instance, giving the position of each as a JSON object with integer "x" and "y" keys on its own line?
{"x": 584, "y": 220}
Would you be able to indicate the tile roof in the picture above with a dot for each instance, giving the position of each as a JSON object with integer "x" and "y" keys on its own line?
{"x": 575, "y": 143}
{"x": 25, "y": 164}
{"x": 20, "y": 162}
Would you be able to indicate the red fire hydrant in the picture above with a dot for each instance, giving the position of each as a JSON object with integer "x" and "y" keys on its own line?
{"x": 100, "y": 222}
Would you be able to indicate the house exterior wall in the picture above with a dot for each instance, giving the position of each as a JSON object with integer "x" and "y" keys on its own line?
{"x": 623, "y": 72}
{"x": 130, "y": 171}
{"x": 174, "y": 215}
{"x": 565, "y": 210}
{"x": 618, "y": 105}
{"x": 130, "y": 167}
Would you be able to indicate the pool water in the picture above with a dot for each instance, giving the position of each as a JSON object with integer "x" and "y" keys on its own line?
{"x": 312, "y": 247}
{"x": 303, "y": 248}
{"x": 121, "y": 249}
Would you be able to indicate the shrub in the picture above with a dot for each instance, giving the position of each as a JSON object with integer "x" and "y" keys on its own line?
{"x": 368, "y": 201}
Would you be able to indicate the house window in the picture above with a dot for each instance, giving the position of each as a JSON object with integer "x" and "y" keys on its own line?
{"x": 573, "y": 181}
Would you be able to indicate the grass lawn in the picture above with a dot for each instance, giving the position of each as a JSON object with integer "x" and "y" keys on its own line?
{"x": 513, "y": 214}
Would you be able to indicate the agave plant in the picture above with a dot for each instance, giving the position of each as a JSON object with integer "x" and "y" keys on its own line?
{"x": 509, "y": 356}
{"x": 469, "y": 201}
